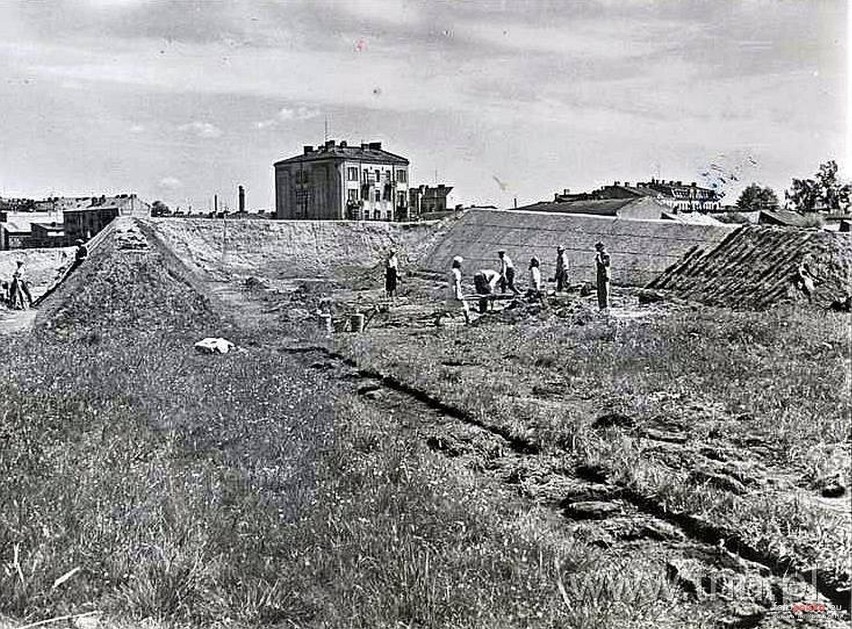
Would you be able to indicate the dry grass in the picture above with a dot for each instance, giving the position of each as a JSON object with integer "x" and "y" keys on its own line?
{"x": 770, "y": 387}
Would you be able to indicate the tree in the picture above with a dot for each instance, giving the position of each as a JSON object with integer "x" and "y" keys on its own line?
{"x": 756, "y": 197}
{"x": 158, "y": 208}
{"x": 824, "y": 192}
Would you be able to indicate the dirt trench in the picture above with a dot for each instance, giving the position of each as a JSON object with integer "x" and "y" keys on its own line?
{"x": 706, "y": 564}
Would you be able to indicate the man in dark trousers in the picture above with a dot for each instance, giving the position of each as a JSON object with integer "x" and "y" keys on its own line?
{"x": 561, "y": 269}
{"x": 602, "y": 269}
{"x": 507, "y": 273}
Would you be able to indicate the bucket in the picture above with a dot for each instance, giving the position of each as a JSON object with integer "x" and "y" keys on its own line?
{"x": 356, "y": 322}
{"x": 325, "y": 322}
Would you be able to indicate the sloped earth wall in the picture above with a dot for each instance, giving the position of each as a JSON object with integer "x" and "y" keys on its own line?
{"x": 754, "y": 267}
{"x": 289, "y": 248}
{"x": 640, "y": 250}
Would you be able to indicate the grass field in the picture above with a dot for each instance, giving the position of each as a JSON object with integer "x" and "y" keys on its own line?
{"x": 148, "y": 482}
{"x": 742, "y": 418}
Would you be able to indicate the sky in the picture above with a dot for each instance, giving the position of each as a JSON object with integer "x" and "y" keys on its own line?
{"x": 503, "y": 100}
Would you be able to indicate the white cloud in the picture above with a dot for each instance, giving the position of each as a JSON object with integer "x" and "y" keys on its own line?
{"x": 202, "y": 129}
{"x": 171, "y": 183}
{"x": 288, "y": 114}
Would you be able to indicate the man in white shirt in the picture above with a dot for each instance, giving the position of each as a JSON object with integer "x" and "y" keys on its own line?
{"x": 507, "y": 273}
{"x": 485, "y": 281}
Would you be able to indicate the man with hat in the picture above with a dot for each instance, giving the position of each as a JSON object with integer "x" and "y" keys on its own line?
{"x": 507, "y": 272}
{"x": 602, "y": 269}
{"x": 561, "y": 269}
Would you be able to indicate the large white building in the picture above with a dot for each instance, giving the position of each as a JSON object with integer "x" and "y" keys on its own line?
{"x": 337, "y": 181}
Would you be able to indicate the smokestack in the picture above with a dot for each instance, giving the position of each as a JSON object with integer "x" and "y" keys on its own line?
{"x": 215, "y": 204}
{"x": 241, "y": 198}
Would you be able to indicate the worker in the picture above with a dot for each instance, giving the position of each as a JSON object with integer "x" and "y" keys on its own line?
{"x": 507, "y": 272}
{"x": 535, "y": 289}
{"x": 602, "y": 267}
{"x": 82, "y": 253}
{"x": 484, "y": 282}
{"x": 804, "y": 281}
{"x": 19, "y": 292}
{"x": 455, "y": 296}
{"x": 561, "y": 277}
{"x": 391, "y": 275}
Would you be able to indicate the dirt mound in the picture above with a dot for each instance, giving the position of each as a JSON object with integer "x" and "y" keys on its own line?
{"x": 754, "y": 267}
{"x": 288, "y": 248}
{"x": 41, "y": 266}
{"x": 640, "y": 249}
{"x": 129, "y": 283}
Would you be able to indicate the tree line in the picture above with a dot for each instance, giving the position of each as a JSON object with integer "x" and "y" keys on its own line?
{"x": 823, "y": 191}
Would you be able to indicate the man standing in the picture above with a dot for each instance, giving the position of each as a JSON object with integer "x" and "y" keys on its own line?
{"x": 455, "y": 296}
{"x": 602, "y": 269}
{"x": 19, "y": 293}
{"x": 507, "y": 273}
{"x": 561, "y": 269}
{"x": 391, "y": 275}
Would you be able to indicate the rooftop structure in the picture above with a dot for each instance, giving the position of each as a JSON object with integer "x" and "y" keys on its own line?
{"x": 674, "y": 194}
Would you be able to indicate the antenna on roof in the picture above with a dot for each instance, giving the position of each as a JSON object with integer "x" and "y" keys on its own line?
{"x": 326, "y": 129}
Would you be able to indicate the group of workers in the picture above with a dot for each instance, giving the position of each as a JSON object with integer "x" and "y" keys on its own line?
{"x": 486, "y": 281}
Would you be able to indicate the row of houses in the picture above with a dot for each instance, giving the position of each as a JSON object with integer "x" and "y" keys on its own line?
{"x": 61, "y": 221}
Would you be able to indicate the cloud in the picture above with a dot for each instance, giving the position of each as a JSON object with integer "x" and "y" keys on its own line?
{"x": 288, "y": 114}
{"x": 171, "y": 183}
{"x": 137, "y": 128}
{"x": 201, "y": 129}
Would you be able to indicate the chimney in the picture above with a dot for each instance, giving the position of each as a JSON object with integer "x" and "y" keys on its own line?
{"x": 566, "y": 191}
{"x": 329, "y": 144}
{"x": 680, "y": 183}
{"x": 375, "y": 146}
{"x": 626, "y": 184}
{"x": 692, "y": 184}
{"x": 616, "y": 183}
{"x": 364, "y": 146}
{"x": 343, "y": 144}
{"x": 241, "y": 198}
{"x": 308, "y": 149}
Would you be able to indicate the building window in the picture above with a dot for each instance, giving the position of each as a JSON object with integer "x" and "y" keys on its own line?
{"x": 352, "y": 194}
{"x": 352, "y": 173}
{"x": 377, "y": 215}
{"x": 400, "y": 199}
{"x": 378, "y": 195}
{"x": 401, "y": 176}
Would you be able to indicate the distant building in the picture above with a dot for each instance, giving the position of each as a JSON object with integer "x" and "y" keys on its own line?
{"x": 16, "y": 229}
{"x": 637, "y": 208}
{"x": 342, "y": 182}
{"x": 673, "y": 194}
{"x": 427, "y": 199}
{"x": 83, "y": 223}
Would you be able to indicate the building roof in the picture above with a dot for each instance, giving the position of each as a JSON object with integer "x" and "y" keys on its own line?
{"x": 366, "y": 152}
{"x": 602, "y": 207}
{"x": 781, "y": 217}
{"x": 23, "y": 224}
{"x": 692, "y": 218}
